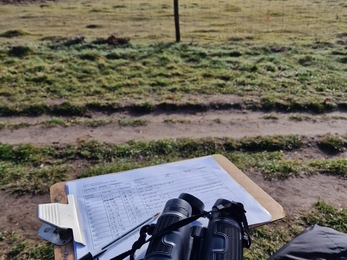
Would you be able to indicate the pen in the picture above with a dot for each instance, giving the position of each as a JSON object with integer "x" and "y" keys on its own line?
{"x": 89, "y": 256}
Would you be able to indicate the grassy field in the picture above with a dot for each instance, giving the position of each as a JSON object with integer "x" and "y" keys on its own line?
{"x": 203, "y": 20}
{"x": 51, "y": 63}
{"x": 284, "y": 56}
{"x": 19, "y": 169}
{"x": 58, "y": 79}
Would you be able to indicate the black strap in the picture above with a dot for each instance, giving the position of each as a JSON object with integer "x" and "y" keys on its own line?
{"x": 142, "y": 239}
{"x": 234, "y": 208}
{"x": 177, "y": 225}
{"x": 147, "y": 229}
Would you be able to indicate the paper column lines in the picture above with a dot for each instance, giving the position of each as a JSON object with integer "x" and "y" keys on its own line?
{"x": 105, "y": 222}
{"x": 186, "y": 178}
{"x": 126, "y": 198}
{"x": 97, "y": 203}
{"x": 143, "y": 205}
{"x": 101, "y": 237}
{"x": 217, "y": 176}
{"x": 101, "y": 227}
{"x": 184, "y": 182}
{"x": 99, "y": 220}
{"x": 182, "y": 186}
{"x": 94, "y": 207}
{"x": 98, "y": 227}
{"x": 96, "y": 213}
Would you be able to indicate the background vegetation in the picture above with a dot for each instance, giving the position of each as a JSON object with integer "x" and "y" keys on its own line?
{"x": 57, "y": 59}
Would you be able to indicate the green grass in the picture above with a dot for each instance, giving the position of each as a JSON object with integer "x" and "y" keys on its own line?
{"x": 13, "y": 33}
{"x": 176, "y": 120}
{"x": 271, "y": 117}
{"x": 218, "y": 120}
{"x": 54, "y": 121}
{"x": 105, "y": 151}
{"x": 132, "y": 122}
{"x": 18, "y": 178}
{"x": 297, "y": 117}
{"x": 332, "y": 143}
{"x": 200, "y": 21}
{"x": 328, "y": 215}
{"x": 268, "y": 239}
{"x": 51, "y": 78}
{"x": 59, "y": 121}
{"x": 32, "y": 169}
{"x": 18, "y": 247}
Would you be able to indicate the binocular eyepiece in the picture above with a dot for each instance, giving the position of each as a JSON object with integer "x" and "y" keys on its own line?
{"x": 222, "y": 239}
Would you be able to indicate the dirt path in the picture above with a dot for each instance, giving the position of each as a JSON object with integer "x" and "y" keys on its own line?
{"x": 234, "y": 124}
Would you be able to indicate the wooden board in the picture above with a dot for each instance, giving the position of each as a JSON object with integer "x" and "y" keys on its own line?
{"x": 58, "y": 195}
{"x": 272, "y": 206}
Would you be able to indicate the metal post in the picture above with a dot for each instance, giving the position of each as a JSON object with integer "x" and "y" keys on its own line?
{"x": 177, "y": 21}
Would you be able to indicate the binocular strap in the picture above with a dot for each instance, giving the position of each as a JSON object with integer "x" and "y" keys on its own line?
{"x": 148, "y": 229}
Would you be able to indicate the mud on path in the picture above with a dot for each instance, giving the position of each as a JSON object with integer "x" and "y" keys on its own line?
{"x": 235, "y": 124}
{"x": 295, "y": 194}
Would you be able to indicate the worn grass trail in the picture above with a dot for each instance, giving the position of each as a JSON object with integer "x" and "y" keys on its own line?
{"x": 124, "y": 127}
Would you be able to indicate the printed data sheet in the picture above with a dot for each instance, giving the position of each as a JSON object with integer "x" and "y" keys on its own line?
{"x": 111, "y": 204}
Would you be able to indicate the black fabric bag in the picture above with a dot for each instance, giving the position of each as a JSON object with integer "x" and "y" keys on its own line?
{"x": 314, "y": 243}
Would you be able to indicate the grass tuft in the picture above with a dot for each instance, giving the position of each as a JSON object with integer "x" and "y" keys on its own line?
{"x": 298, "y": 117}
{"x": 329, "y": 216}
{"x": 174, "y": 121}
{"x": 54, "y": 121}
{"x": 270, "y": 143}
{"x": 18, "y": 178}
{"x": 335, "y": 167}
{"x": 332, "y": 144}
{"x": 132, "y": 122}
{"x": 89, "y": 55}
{"x": 18, "y": 247}
{"x": 14, "y": 33}
{"x": 271, "y": 117}
{"x": 20, "y": 51}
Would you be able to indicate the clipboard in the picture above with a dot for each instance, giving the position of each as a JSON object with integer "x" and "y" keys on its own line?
{"x": 58, "y": 195}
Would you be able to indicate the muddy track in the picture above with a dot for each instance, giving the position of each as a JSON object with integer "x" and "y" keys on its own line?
{"x": 231, "y": 123}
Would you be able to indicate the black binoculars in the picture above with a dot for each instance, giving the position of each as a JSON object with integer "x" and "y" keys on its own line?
{"x": 223, "y": 239}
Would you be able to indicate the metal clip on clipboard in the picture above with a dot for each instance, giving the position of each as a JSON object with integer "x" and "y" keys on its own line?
{"x": 61, "y": 222}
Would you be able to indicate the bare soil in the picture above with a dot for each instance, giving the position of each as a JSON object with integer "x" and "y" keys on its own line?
{"x": 234, "y": 123}
{"x": 295, "y": 194}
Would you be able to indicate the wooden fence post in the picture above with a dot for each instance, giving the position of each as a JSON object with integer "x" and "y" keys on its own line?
{"x": 177, "y": 21}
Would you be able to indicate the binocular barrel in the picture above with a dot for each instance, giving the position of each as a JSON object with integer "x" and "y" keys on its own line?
{"x": 174, "y": 244}
{"x": 221, "y": 240}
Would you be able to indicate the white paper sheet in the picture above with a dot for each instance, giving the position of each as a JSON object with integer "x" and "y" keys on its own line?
{"x": 112, "y": 204}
